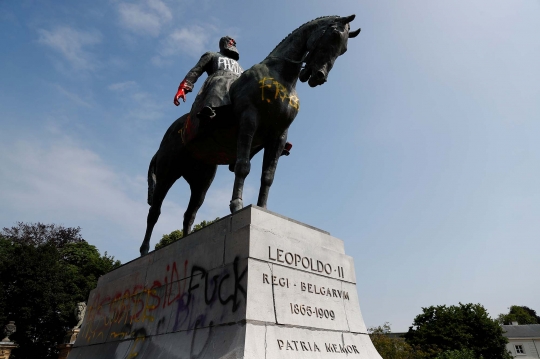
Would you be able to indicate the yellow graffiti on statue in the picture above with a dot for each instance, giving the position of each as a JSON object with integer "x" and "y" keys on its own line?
{"x": 277, "y": 91}
{"x": 120, "y": 335}
{"x": 132, "y": 353}
{"x": 125, "y": 308}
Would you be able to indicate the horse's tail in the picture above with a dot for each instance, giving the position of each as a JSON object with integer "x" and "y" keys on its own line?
{"x": 151, "y": 180}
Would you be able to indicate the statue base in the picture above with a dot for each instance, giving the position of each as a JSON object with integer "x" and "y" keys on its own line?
{"x": 64, "y": 350}
{"x": 71, "y": 335}
{"x": 251, "y": 285}
{"x": 6, "y": 348}
{"x": 69, "y": 339}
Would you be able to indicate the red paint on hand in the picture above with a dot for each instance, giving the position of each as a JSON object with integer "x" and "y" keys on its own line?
{"x": 181, "y": 93}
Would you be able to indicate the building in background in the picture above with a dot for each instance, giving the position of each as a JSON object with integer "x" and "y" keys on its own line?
{"x": 523, "y": 340}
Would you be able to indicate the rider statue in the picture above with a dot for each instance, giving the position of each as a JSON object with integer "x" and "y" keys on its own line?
{"x": 222, "y": 69}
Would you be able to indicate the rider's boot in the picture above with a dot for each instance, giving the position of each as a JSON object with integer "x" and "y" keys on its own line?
{"x": 207, "y": 113}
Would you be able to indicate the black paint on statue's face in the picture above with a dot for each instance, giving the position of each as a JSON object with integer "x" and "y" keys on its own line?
{"x": 227, "y": 46}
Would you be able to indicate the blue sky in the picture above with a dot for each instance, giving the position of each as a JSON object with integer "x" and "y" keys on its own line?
{"x": 420, "y": 152}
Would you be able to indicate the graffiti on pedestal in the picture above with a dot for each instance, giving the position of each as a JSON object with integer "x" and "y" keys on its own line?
{"x": 181, "y": 298}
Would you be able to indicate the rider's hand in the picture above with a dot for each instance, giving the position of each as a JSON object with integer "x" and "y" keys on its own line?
{"x": 179, "y": 95}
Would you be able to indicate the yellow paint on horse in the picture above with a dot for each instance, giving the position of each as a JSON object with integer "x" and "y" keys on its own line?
{"x": 280, "y": 92}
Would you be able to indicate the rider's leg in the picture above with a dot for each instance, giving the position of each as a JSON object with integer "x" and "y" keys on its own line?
{"x": 207, "y": 113}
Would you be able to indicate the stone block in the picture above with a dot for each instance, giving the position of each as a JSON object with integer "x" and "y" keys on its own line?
{"x": 253, "y": 242}
{"x": 297, "y": 343}
{"x": 203, "y": 248}
{"x": 252, "y": 285}
{"x": 260, "y": 298}
{"x": 309, "y": 300}
{"x": 210, "y": 297}
{"x": 201, "y": 343}
{"x": 140, "y": 315}
{"x": 279, "y": 225}
{"x": 255, "y": 340}
{"x": 355, "y": 319}
{"x": 6, "y": 348}
{"x": 135, "y": 269}
{"x": 114, "y": 350}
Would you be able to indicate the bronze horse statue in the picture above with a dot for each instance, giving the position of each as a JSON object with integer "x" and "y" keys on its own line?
{"x": 264, "y": 104}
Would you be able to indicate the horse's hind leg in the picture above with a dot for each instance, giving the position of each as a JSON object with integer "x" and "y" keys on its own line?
{"x": 200, "y": 178}
{"x": 160, "y": 191}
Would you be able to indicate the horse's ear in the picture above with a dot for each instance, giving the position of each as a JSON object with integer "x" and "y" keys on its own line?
{"x": 347, "y": 19}
{"x": 354, "y": 33}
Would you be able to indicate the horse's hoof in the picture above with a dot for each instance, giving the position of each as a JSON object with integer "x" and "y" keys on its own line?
{"x": 236, "y": 205}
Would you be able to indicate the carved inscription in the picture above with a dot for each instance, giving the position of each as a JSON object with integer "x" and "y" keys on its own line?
{"x": 305, "y": 287}
{"x": 294, "y": 345}
{"x": 282, "y": 282}
{"x": 307, "y": 263}
{"x": 306, "y": 346}
{"x": 329, "y": 292}
{"x": 302, "y": 309}
{"x": 309, "y": 311}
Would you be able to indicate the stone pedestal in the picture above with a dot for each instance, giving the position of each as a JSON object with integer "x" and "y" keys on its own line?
{"x": 71, "y": 336}
{"x": 252, "y": 285}
{"x": 6, "y": 348}
{"x": 69, "y": 340}
{"x": 64, "y": 350}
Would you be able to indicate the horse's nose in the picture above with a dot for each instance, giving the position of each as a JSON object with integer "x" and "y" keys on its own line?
{"x": 320, "y": 75}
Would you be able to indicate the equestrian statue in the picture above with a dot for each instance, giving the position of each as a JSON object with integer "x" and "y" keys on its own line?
{"x": 238, "y": 113}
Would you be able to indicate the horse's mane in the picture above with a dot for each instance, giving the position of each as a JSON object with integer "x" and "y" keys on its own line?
{"x": 301, "y": 26}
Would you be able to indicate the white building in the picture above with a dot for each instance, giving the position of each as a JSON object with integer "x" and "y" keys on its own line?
{"x": 523, "y": 340}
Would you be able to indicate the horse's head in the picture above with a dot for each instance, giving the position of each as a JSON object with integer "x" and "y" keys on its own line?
{"x": 324, "y": 46}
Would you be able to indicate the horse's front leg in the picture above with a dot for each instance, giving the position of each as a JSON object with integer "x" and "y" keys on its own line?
{"x": 248, "y": 126}
{"x": 272, "y": 152}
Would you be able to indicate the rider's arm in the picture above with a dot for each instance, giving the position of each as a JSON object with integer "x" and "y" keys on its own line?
{"x": 201, "y": 67}
{"x": 187, "y": 84}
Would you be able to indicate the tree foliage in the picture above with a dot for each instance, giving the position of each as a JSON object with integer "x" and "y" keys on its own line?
{"x": 394, "y": 348}
{"x": 179, "y": 234}
{"x": 457, "y": 354}
{"x": 520, "y": 314}
{"x": 45, "y": 270}
{"x": 462, "y": 327}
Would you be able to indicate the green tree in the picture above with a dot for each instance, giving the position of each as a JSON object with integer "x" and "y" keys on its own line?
{"x": 392, "y": 347}
{"x": 520, "y": 314}
{"x": 44, "y": 271}
{"x": 462, "y": 327}
{"x": 179, "y": 234}
{"x": 457, "y": 354}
